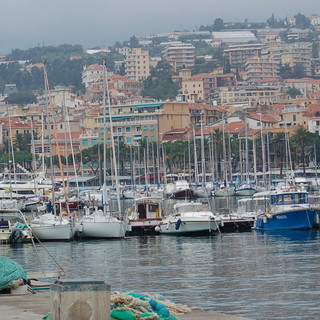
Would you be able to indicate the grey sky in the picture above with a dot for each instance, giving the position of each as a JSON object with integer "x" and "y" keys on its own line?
{"x": 28, "y": 23}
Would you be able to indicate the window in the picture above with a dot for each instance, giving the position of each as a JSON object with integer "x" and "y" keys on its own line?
{"x": 151, "y": 128}
{"x": 85, "y": 142}
{"x": 128, "y": 140}
{"x": 94, "y": 142}
{"x": 145, "y": 128}
{"x": 294, "y": 117}
{"x": 128, "y": 129}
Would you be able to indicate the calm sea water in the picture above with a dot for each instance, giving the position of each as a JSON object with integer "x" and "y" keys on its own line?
{"x": 257, "y": 275}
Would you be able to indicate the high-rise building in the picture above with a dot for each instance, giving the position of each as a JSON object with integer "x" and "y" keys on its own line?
{"x": 137, "y": 64}
{"x": 182, "y": 54}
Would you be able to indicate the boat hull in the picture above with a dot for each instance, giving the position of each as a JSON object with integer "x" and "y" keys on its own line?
{"x": 245, "y": 192}
{"x": 188, "y": 227}
{"x": 288, "y": 220}
{"x": 143, "y": 227}
{"x": 57, "y": 232}
{"x": 106, "y": 230}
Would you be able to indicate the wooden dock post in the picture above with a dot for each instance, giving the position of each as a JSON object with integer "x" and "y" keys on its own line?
{"x": 80, "y": 300}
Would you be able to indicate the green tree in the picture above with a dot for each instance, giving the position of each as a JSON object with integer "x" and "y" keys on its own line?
{"x": 21, "y": 98}
{"x": 160, "y": 85}
{"x": 285, "y": 71}
{"x": 298, "y": 71}
{"x": 300, "y": 141}
{"x": 134, "y": 42}
{"x": 218, "y": 24}
{"x": 302, "y": 22}
{"x": 293, "y": 92}
{"x": 278, "y": 148}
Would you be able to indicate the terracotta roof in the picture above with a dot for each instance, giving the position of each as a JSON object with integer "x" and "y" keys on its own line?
{"x": 94, "y": 67}
{"x": 261, "y": 117}
{"x": 270, "y": 80}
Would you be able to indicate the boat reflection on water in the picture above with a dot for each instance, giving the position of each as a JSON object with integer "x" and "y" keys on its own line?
{"x": 292, "y": 235}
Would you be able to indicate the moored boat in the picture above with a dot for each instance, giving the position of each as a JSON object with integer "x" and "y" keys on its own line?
{"x": 145, "y": 217}
{"x": 189, "y": 218}
{"x": 14, "y": 227}
{"x": 289, "y": 210}
{"x": 101, "y": 225}
{"x": 50, "y": 227}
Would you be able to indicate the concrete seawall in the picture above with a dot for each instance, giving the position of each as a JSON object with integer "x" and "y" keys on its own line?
{"x": 34, "y": 306}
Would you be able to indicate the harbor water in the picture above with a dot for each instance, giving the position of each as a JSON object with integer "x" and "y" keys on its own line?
{"x": 260, "y": 275}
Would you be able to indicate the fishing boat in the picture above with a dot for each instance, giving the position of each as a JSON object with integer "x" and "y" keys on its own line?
{"x": 189, "y": 218}
{"x": 146, "y": 215}
{"x": 288, "y": 209}
{"x": 14, "y": 227}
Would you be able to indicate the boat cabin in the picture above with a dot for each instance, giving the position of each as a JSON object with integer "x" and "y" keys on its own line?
{"x": 148, "y": 208}
{"x": 289, "y": 198}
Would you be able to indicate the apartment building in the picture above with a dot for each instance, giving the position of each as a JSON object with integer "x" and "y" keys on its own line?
{"x": 261, "y": 68}
{"x": 192, "y": 90}
{"x": 239, "y": 54}
{"x": 293, "y": 115}
{"x": 291, "y": 53}
{"x": 137, "y": 64}
{"x": 306, "y": 86}
{"x": 182, "y": 54}
{"x": 260, "y": 94}
{"x": 92, "y": 74}
{"x": 201, "y": 87}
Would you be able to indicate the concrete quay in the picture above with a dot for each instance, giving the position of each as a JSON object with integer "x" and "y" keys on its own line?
{"x": 35, "y": 306}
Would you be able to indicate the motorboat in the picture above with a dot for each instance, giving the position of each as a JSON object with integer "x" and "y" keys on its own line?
{"x": 289, "y": 209}
{"x": 145, "y": 216}
{"x": 189, "y": 218}
{"x": 179, "y": 189}
{"x": 14, "y": 227}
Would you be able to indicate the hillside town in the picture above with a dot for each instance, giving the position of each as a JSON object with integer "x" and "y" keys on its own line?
{"x": 262, "y": 78}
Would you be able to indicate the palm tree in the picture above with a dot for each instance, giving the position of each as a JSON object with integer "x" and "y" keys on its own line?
{"x": 300, "y": 142}
{"x": 278, "y": 148}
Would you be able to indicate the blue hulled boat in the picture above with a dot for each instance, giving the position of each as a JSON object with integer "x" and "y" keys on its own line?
{"x": 287, "y": 210}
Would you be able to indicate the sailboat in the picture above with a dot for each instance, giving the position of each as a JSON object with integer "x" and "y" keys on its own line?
{"x": 101, "y": 223}
{"x": 51, "y": 225}
{"x": 246, "y": 189}
{"x": 225, "y": 189}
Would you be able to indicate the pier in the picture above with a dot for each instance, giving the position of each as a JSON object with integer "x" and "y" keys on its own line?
{"x": 35, "y": 306}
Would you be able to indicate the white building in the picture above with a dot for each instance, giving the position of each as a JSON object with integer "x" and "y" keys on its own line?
{"x": 92, "y": 74}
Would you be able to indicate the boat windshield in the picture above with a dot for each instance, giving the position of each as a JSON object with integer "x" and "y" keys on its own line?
{"x": 289, "y": 198}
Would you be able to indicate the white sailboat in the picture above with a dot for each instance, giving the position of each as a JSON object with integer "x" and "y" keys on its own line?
{"x": 51, "y": 225}
{"x": 101, "y": 223}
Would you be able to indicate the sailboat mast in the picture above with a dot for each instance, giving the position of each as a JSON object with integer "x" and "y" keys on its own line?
{"x": 112, "y": 138}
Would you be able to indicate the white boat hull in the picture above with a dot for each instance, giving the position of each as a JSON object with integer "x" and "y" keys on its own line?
{"x": 188, "y": 227}
{"x": 112, "y": 229}
{"x": 54, "y": 232}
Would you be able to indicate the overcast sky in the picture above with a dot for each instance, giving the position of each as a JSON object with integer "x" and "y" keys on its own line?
{"x": 29, "y": 23}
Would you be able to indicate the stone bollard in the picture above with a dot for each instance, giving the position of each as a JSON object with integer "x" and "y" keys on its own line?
{"x": 80, "y": 300}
